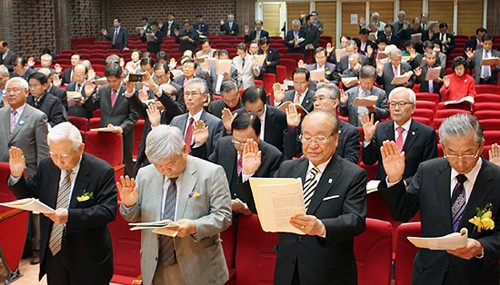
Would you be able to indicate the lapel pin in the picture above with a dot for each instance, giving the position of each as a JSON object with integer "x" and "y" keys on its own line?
{"x": 21, "y": 122}
{"x": 330, "y": 181}
{"x": 413, "y": 133}
{"x": 307, "y": 101}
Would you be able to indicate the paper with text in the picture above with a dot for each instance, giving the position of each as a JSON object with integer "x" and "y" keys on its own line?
{"x": 29, "y": 204}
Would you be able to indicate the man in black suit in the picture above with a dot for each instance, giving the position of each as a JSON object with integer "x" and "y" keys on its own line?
{"x": 431, "y": 86}
{"x": 230, "y": 100}
{"x": 115, "y": 110}
{"x": 219, "y": 79}
{"x": 296, "y": 39}
{"x": 417, "y": 140}
{"x": 472, "y": 43}
{"x": 7, "y": 57}
{"x": 387, "y": 72}
{"x": 313, "y": 35}
{"x": 365, "y": 42}
{"x": 67, "y": 76}
{"x": 327, "y": 99}
{"x": 331, "y": 74}
{"x": 273, "y": 120}
{"x": 484, "y": 74}
{"x": 154, "y": 45}
{"x": 256, "y": 34}
{"x": 351, "y": 47}
{"x": 54, "y": 90}
{"x": 117, "y": 35}
{"x": 75, "y": 106}
{"x": 230, "y": 28}
{"x": 188, "y": 38}
{"x": 190, "y": 70}
{"x": 21, "y": 68}
{"x": 45, "y": 101}
{"x": 447, "y": 39}
{"x": 301, "y": 93}
{"x": 170, "y": 25}
{"x": 197, "y": 119}
{"x": 402, "y": 27}
{"x": 201, "y": 26}
{"x": 335, "y": 204}
{"x": 272, "y": 57}
{"x": 392, "y": 38}
{"x": 75, "y": 244}
{"x": 450, "y": 192}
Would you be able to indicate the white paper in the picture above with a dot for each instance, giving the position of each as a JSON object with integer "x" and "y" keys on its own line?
{"x": 469, "y": 99}
{"x": 211, "y": 61}
{"x": 354, "y": 19}
{"x": 318, "y": 74}
{"x": 447, "y": 242}
{"x": 101, "y": 81}
{"x": 416, "y": 37}
{"x": 372, "y": 186}
{"x": 73, "y": 95}
{"x": 365, "y": 101}
{"x": 223, "y": 66}
{"x": 398, "y": 80}
{"x": 433, "y": 73}
{"x": 339, "y": 53}
{"x": 159, "y": 227}
{"x": 29, "y": 204}
{"x": 277, "y": 200}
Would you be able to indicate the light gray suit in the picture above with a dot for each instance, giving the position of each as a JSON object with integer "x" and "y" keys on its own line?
{"x": 247, "y": 72}
{"x": 213, "y": 77}
{"x": 476, "y": 61}
{"x": 200, "y": 256}
{"x": 30, "y": 135}
{"x": 349, "y": 110}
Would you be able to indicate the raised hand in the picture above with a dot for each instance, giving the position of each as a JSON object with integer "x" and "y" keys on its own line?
{"x": 418, "y": 71}
{"x": 446, "y": 81}
{"x": 369, "y": 51}
{"x": 247, "y": 29}
{"x": 227, "y": 119}
{"x": 494, "y": 154}
{"x": 394, "y": 162}
{"x": 143, "y": 96}
{"x": 104, "y": 32}
{"x": 413, "y": 53}
{"x": 122, "y": 62}
{"x": 128, "y": 191}
{"x": 301, "y": 63}
{"x": 380, "y": 67}
{"x": 154, "y": 115}
{"x": 470, "y": 53}
{"x": 292, "y": 116}
{"x": 58, "y": 68}
{"x": 173, "y": 63}
{"x": 148, "y": 81}
{"x": 329, "y": 48}
{"x": 56, "y": 80}
{"x": 89, "y": 88}
{"x": 200, "y": 132}
{"x": 16, "y": 161}
{"x": 205, "y": 67}
{"x": 279, "y": 94}
{"x": 176, "y": 32}
{"x": 251, "y": 157}
{"x": 405, "y": 25}
{"x": 302, "y": 14}
{"x": 31, "y": 62}
{"x": 369, "y": 127}
{"x": 362, "y": 21}
{"x": 343, "y": 96}
{"x": 221, "y": 21}
{"x": 91, "y": 75}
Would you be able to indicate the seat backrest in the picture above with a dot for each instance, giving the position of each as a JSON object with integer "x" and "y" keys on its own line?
{"x": 422, "y": 96}
{"x": 107, "y": 146}
{"x": 228, "y": 244}
{"x": 487, "y": 114}
{"x": 5, "y": 193}
{"x": 138, "y": 130}
{"x": 485, "y": 88}
{"x": 461, "y": 106}
{"x": 487, "y": 98}
{"x": 405, "y": 252}
{"x": 254, "y": 259}
{"x": 490, "y": 124}
{"x": 445, "y": 113}
{"x": 81, "y": 123}
{"x": 491, "y": 137}
{"x": 487, "y": 106}
{"x": 373, "y": 250}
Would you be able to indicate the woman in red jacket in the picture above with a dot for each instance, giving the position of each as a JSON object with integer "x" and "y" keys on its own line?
{"x": 459, "y": 84}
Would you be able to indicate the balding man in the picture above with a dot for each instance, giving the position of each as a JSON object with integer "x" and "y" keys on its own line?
{"x": 76, "y": 108}
{"x": 387, "y": 72}
{"x": 45, "y": 62}
{"x": 293, "y": 36}
{"x": 335, "y": 204}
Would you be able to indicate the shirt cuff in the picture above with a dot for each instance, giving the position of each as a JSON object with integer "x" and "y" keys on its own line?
{"x": 390, "y": 184}
{"x": 13, "y": 180}
{"x": 129, "y": 95}
{"x": 365, "y": 144}
{"x": 480, "y": 255}
{"x": 126, "y": 209}
{"x": 245, "y": 177}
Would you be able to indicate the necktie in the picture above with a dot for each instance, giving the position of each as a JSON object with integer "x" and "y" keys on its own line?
{"x": 116, "y": 35}
{"x": 55, "y": 241}
{"x": 78, "y": 88}
{"x": 167, "y": 254}
{"x": 243, "y": 63}
{"x": 297, "y": 98}
{"x": 169, "y": 27}
{"x": 431, "y": 84}
{"x": 486, "y": 68}
{"x": 189, "y": 134}
{"x": 13, "y": 120}
{"x": 458, "y": 201}
{"x": 37, "y": 102}
{"x": 396, "y": 71}
{"x": 113, "y": 98}
{"x": 239, "y": 165}
{"x": 310, "y": 186}
{"x": 400, "y": 140}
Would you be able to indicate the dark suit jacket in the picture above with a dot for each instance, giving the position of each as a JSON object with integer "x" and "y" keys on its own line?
{"x": 154, "y": 46}
{"x": 307, "y": 103}
{"x": 121, "y": 39}
{"x": 424, "y": 85}
{"x": 172, "y": 109}
{"x": 253, "y": 34}
{"x": 199, "y": 74}
{"x": 215, "y": 108}
{"x": 164, "y": 28}
{"x": 291, "y": 47}
{"x": 275, "y": 125}
{"x": 395, "y": 39}
{"x": 202, "y": 27}
{"x": 51, "y": 106}
{"x": 347, "y": 147}
{"x": 350, "y": 111}
{"x": 227, "y": 31}
{"x": 273, "y": 57}
{"x": 368, "y": 43}
{"x": 388, "y": 76}
{"x": 66, "y": 78}
{"x": 420, "y": 145}
{"x": 339, "y": 202}
{"x": 59, "y": 93}
{"x": 87, "y": 236}
{"x": 451, "y": 42}
{"x": 475, "y": 63}
{"x": 430, "y": 193}
{"x": 331, "y": 74}
{"x": 78, "y": 110}
{"x": 215, "y": 128}
{"x": 312, "y": 34}
{"x": 184, "y": 44}
{"x": 9, "y": 60}
{"x": 344, "y": 62}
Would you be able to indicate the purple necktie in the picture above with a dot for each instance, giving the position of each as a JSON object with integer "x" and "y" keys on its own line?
{"x": 239, "y": 165}
{"x": 458, "y": 201}
{"x": 13, "y": 121}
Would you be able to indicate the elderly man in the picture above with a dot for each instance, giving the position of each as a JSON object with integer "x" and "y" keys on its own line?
{"x": 4, "y": 77}
{"x": 75, "y": 243}
{"x": 219, "y": 79}
{"x": 324, "y": 255}
{"x": 75, "y": 107}
{"x": 327, "y": 99}
{"x": 331, "y": 74}
{"x": 351, "y": 47}
{"x": 25, "y": 127}
{"x": 417, "y": 140}
{"x": 45, "y": 101}
{"x": 153, "y": 45}
{"x": 256, "y": 34}
{"x": 187, "y": 38}
{"x": 201, "y": 26}
{"x": 484, "y": 74}
{"x": 45, "y": 62}
{"x": 386, "y": 72}
{"x": 313, "y": 34}
{"x": 68, "y": 77}
{"x": 230, "y": 101}
{"x": 21, "y": 68}
{"x": 192, "y": 192}
{"x": 296, "y": 39}
{"x": 450, "y": 192}
{"x": 302, "y": 94}
{"x": 54, "y": 90}
{"x": 367, "y": 75}
{"x": 430, "y": 86}
{"x": 401, "y": 24}
{"x": 7, "y": 57}
{"x": 206, "y": 49}
{"x": 230, "y": 28}
{"x": 190, "y": 71}
{"x": 272, "y": 57}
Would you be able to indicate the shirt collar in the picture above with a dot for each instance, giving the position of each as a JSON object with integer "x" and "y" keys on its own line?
{"x": 405, "y": 126}
{"x": 20, "y": 109}
{"x": 321, "y": 166}
{"x": 196, "y": 116}
{"x": 472, "y": 175}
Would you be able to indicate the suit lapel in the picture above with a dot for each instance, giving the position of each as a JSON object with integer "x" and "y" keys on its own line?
{"x": 81, "y": 183}
{"x": 442, "y": 180}
{"x": 389, "y": 131}
{"x": 188, "y": 185}
{"x": 328, "y": 179}
{"x": 21, "y": 122}
{"x": 268, "y": 124}
{"x": 118, "y": 98}
{"x": 411, "y": 136}
{"x": 308, "y": 100}
{"x": 5, "y": 119}
{"x": 54, "y": 184}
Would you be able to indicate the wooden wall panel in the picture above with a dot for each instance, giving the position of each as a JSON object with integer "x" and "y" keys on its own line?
{"x": 328, "y": 15}
{"x": 293, "y": 11}
{"x": 349, "y": 8}
{"x": 271, "y": 18}
{"x": 470, "y": 17}
{"x": 441, "y": 11}
{"x": 385, "y": 9}
{"x": 412, "y": 8}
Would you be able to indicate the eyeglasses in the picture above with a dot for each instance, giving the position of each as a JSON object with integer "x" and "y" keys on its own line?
{"x": 322, "y": 98}
{"x": 316, "y": 139}
{"x": 400, "y": 104}
{"x": 54, "y": 155}
{"x": 468, "y": 157}
{"x": 299, "y": 83}
{"x": 187, "y": 94}
{"x": 238, "y": 144}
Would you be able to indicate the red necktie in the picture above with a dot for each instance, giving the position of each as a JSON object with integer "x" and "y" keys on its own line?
{"x": 116, "y": 35}
{"x": 113, "y": 98}
{"x": 189, "y": 134}
{"x": 400, "y": 141}
{"x": 396, "y": 71}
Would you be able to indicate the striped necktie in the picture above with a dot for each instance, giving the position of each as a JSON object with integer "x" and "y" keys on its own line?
{"x": 167, "y": 249}
{"x": 55, "y": 241}
{"x": 458, "y": 201}
{"x": 310, "y": 186}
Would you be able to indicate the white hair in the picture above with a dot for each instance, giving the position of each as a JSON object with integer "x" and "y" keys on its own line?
{"x": 461, "y": 125}
{"x": 65, "y": 132}
{"x": 395, "y": 52}
{"x": 4, "y": 71}
{"x": 376, "y": 14}
{"x": 24, "y": 84}
{"x": 46, "y": 55}
{"x": 402, "y": 13}
{"x": 411, "y": 94}
{"x": 295, "y": 22}
{"x": 164, "y": 142}
{"x": 201, "y": 82}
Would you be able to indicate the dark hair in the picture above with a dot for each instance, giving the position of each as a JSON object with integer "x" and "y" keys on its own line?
{"x": 187, "y": 21}
{"x": 318, "y": 50}
{"x": 136, "y": 50}
{"x": 146, "y": 54}
{"x": 242, "y": 46}
{"x": 159, "y": 66}
{"x": 146, "y": 61}
{"x": 113, "y": 69}
{"x": 244, "y": 120}
{"x": 199, "y": 16}
{"x": 79, "y": 55}
{"x": 301, "y": 70}
{"x": 118, "y": 19}
{"x": 313, "y": 12}
{"x": 188, "y": 59}
{"x": 4, "y": 43}
{"x": 154, "y": 23}
{"x": 207, "y": 40}
{"x": 488, "y": 37}
{"x": 482, "y": 30}
{"x": 222, "y": 51}
{"x": 254, "y": 42}
{"x": 409, "y": 43}
{"x": 345, "y": 36}
{"x": 443, "y": 25}
{"x": 416, "y": 20}
{"x": 436, "y": 41}
{"x": 228, "y": 86}
{"x": 389, "y": 26}
{"x": 21, "y": 59}
{"x": 161, "y": 55}
{"x": 382, "y": 39}
{"x": 458, "y": 61}
{"x": 263, "y": 41}
{"x": 261, "y": 22}
{"x": 308, "y": 17}
{"x": 42, "y": 78}
{"x": 144, "y": 18}
{"x": 46, "y": 51}
{"x": 171, "y": 13}
{"x": 364, "y": 31}
{"x": 254, "y": 93}
{"x": 428, "y": 44}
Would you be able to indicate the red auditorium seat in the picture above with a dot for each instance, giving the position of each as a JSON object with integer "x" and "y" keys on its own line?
{"x": 426, "y": 113}
{"x": 427, "y": 97}
{"x": 254, "y": 259}
{"x": 138, "y": 130}
{"x": 94, "y": 123}
{"x": 431, "y": 105}
{"x": 294, "y": 56}
{"x": 486, "y": 106}
{"x": 281, "y": 73}
{"x": 491, "y": 137}
{"x": 371, "y": 170}
{"x": 490, "y": 124}
{"x": 81, "y": 123}
{"x": 487, "y": 98}
{"x": 484, "y": 115}
{"x": 228, "y": 245}
{"x": 462, "y": 106}
{"x": 424, "y": 120}
{"x": 405, "y": 252}
{"x": 259, "y": 83}
{"x": 290, "y": 66}
{"x": 486, "y": 88}
{"x": 107, "y": 146}
{"x": 373, "y": 250}
{"x": 445, "y": 113}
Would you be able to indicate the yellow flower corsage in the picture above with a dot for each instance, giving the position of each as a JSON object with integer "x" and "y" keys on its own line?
{"x": 86, "y": 195}
{"x": 483, "y": 220}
